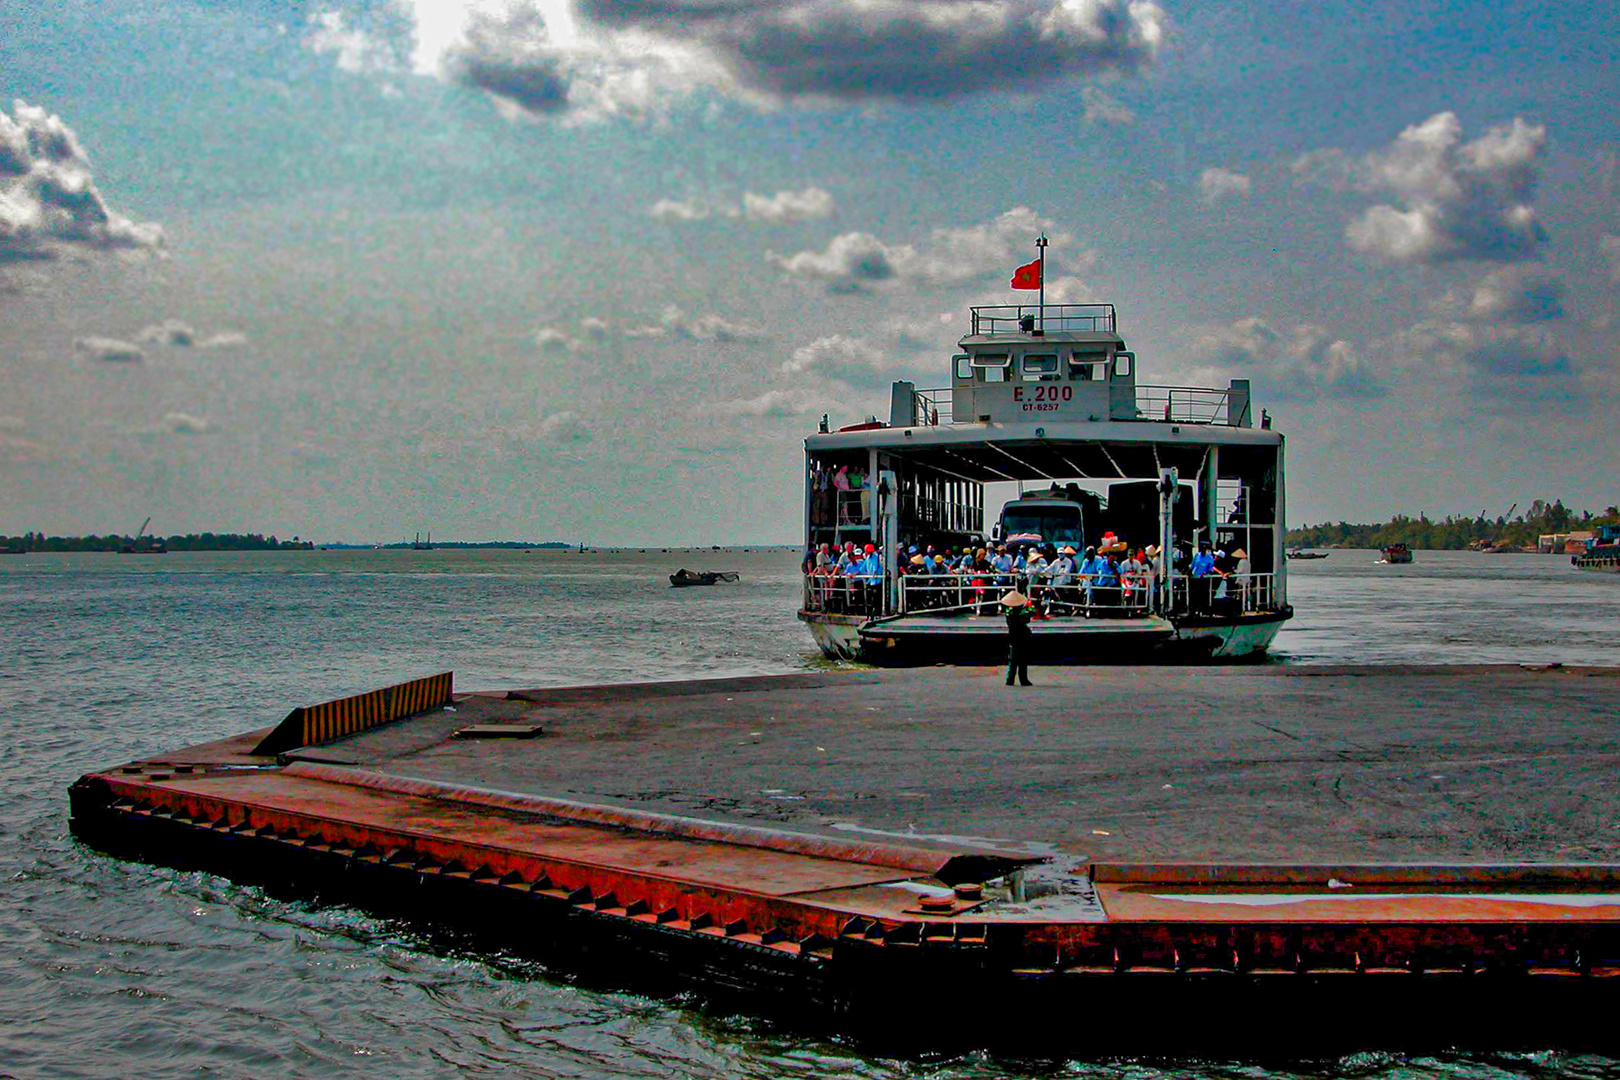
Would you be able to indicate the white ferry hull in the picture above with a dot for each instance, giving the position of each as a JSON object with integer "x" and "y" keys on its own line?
{"x": 1234, "y": 641}
{"x": 837, "y": 636}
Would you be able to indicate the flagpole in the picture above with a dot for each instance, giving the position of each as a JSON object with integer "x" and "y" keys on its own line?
{"x": 1040, "y": 243}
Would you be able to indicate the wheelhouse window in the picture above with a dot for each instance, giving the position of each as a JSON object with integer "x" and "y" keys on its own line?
{"x": 991, "y": 367}
{"x": 1088, "y": 367}
{"x": 1122, "y": 366}
{"x": 964, "y": 367}
{"x": 1041, "y": 367}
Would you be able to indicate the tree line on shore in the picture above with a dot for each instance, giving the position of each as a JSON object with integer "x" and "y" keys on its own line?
{"x": 38, "y": 541}
{"x": 1455, "y": 533}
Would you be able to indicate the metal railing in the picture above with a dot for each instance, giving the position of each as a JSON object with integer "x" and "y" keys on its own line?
{"x": 1085, "y": 595}
{"x": 933, "y": 406}
{"x": 1054, "y": 318}
{"x": 1186, "y": 405}
{"x": 1064, "y": 594}
{"x": 841, "y": 594}
{"x": 854, "y": 506}
{"x": 1223, "y": 594}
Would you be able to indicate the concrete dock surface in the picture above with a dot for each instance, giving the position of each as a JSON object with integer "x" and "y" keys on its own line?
{"x": 1260, "y": 763}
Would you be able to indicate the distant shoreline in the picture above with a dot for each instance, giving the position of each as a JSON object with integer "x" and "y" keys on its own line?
{"x": 1452, "y": 533}
{"x": 39, "y": 542}
{"x": 148, "y": 544}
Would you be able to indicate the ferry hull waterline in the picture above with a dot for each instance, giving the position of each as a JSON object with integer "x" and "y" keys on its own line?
{"x": 1156, "y": 531}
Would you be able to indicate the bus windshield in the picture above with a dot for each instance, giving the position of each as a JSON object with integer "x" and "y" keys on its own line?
{"x": 1052, "y": 524}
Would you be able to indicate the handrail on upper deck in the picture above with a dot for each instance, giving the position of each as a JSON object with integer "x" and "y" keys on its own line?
{"x": 1190, "y": 405}
{"x": 1008, "y": 318}
{"x": 933, "y": 406}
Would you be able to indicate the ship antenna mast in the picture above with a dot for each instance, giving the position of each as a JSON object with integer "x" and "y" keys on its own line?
{"x": 1040, "y": 244}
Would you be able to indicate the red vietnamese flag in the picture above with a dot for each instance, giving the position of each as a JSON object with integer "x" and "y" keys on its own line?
{"x": 1027, "y": 277}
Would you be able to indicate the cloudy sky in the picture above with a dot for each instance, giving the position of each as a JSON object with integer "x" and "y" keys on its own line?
{"x": 562, "y": 269}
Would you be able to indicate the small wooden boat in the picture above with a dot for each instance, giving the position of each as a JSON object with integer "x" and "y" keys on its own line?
{"x": 683, "y": 577}
{"x": 1397, "y": 553}
{"x": 1308, "y": 554}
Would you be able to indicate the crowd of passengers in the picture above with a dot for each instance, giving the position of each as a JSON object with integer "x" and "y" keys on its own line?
{"x": 1058, "y": 578}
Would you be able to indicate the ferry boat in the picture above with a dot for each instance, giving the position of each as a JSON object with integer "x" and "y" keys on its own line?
{"x": 1046, "y": 396}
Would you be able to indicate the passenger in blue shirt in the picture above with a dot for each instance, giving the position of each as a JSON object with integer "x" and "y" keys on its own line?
{"x": 1107, "y": 576}
{"x": 1088, "y": 570}
{"x": 1203, "y": 571}
{"x": 1203, "y": 562}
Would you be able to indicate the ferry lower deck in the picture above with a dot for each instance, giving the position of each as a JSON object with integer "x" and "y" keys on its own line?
{"x": 1135, "y": 859}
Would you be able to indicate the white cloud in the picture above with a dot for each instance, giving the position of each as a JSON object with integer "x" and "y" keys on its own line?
{"x": 551, "y": 339}
{"x": 554, "y": 339}
{"x": 353, "y": 49}
{"x": 185, "y": 424}
{"x": 180, "y": 334}
{"x": 112, "y": 350}
{"x": 49, "y": 204}
{"x": 675, "y": 323}
{"x": 1103, "y": 109}
{"x": 169, "y": 332}
{"x": 940, "y": 332}
{"x": 676, "y": 210}
{"x": 1519, "y": 294}
{"x": 1301, "y": 362}
{"x": 773, "y": 403}
{"x": 1495, "y": 357}
{"x": 781, "y": 208}
{"x": 787, "y": 206}
{"x": 1071, "y": 290}
{"x": 858, "y": 261}
{"x": 1218, "y": 183}
{"x": 562, "y": 428}
{"x": 637, "y": 58}
{"x": 1454, "y": 199}
{"x": 841, "y": 357}
{"x": 543, "y": 58}
{"x": 851, "y": 262}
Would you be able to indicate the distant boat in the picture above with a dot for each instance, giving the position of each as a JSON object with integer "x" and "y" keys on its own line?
{"x": 1397, "y": 553}
{"x": 683, "y": 578}
{"x": 1308, "y": 554}
{"x": 1602, "y": 551}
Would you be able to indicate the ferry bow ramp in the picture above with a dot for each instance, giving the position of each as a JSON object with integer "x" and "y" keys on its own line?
{"x": 1117, "y": 860}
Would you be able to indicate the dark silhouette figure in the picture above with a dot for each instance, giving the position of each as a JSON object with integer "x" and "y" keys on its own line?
{"x": 1019, "y": 639}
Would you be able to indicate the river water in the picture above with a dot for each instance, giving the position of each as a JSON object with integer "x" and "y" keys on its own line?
{"x": 110, "y": 968}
